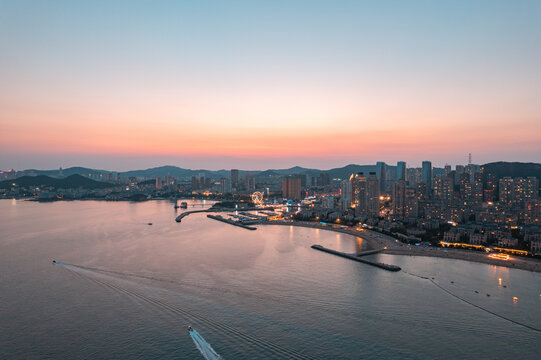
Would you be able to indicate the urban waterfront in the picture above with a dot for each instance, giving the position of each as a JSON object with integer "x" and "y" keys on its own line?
{"x": 127, "y": 289}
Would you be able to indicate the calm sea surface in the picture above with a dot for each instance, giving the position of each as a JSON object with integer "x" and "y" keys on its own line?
{"x": 129, "y": 290}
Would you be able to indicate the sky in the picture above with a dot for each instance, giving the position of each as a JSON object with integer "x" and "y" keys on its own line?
{"x": 122, "y": 85}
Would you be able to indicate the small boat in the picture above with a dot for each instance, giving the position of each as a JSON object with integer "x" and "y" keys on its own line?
{"x": 54, "y": 261}
{"x": 452, "y": 282}
{"x": 488, "y": 294}
{"x": 477, "y": 292}
{"x": 183, "y": 205}
{"x": 190, "y": 329}
{"x": 149, "y": 223}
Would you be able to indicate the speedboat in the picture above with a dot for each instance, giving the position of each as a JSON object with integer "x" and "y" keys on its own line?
{"x": 54, "y": 261}
{"x": 190, "y": 329}
{"x": 149, "y": 223}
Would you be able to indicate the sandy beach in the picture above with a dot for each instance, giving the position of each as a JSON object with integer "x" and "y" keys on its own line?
{"x": 375, "y": 240}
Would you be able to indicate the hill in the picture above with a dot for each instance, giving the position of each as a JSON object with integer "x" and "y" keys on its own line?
{"x": 70, "y": 182}
{"x": 513, "y": 169}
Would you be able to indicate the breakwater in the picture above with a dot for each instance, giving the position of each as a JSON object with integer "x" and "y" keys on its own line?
{"x": 235, "y": 223}
{"x": 357, "y": 258}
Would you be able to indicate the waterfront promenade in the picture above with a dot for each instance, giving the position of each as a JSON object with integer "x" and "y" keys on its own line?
{"x": 375, "y": 240}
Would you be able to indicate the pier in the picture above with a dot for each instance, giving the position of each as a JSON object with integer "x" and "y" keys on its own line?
{"x": 186, "y": 213}
{"x": 357, "y": 258}
{"x": 232, "y": 222}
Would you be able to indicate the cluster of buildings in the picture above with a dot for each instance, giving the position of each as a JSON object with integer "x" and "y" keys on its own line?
{"x": 464, "y": 204}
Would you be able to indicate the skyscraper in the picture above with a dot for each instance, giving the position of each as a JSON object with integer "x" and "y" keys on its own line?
{"x": 401, "y": 170}
{"x": 372, "y": 191}
{"x": 358, "y": 193}
{"x": 234, "y": 178}
{"x": 399, "y": 198}
{"x": 381, "y": 168}
{"x": 427, "y": 174}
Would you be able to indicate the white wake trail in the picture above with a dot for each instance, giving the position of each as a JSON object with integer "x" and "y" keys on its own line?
{"x": 204, "y": 347}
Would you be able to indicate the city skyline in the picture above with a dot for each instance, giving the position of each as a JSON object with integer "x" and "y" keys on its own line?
{"x": 261, "y": 85}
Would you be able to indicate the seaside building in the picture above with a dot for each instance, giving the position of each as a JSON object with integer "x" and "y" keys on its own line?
{"x": 373, "y": 192}
{"x": 358, "y": 190}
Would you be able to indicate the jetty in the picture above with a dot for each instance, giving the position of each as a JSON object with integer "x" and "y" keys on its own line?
{"x": 232, "y": 222}
{"x": 186, "y": 213}
{"x": 356, "y": 257}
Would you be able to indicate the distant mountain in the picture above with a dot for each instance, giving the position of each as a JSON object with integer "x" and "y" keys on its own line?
{"x": 178, "y": 172}
{"x": 61, "y": 173}
{"x": 174, "y": 171}
{"x": 70, "y": 182}
{"x": 513, "y": 169}
{"x": 346, "y": 171}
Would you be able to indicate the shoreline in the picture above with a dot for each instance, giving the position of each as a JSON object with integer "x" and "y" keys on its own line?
{"x": 376, "y": 240}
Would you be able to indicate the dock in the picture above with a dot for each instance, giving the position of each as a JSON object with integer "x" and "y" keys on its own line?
{"x": 356, "y": 257}
{"x": 232, "y": 222}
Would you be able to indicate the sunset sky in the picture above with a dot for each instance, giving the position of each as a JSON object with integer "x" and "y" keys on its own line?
{"x": 123, "y": 85}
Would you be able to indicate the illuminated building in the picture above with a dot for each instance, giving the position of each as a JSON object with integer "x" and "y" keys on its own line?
{"x": 477, "y": 189}
{"x": 399, "y": 198}
{"x": 358, "y": 191}
{"x": 373, "y": 192}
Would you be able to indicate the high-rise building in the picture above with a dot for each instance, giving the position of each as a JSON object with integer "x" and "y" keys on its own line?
{"x": 323, "y": 179}
{"x": 477, "y": 189}
{"x": 158, "y": 182}
{"x": 249, "y": 180}
{"x": 401, "y": 170}
{"x": 381, "y": 169}
{"x": 291, "y": 187}
{"x": 427, "y": 174}
{"x": 489, "y": 194}
{"x": 447, "y": 170}
{"x": 465, "y": 187}
{"x": 373, "y": 191}
{"x": 225, "y": 185}
{"x": 346, "y": 194}
{"x": 195, "y": 183}
{"x": 399, "y": 198}
{"x": 518, "y": 190}
{"x": 459, "y": 170}
{"x": 235, "y": 178}
{"x": 358, "y": 193}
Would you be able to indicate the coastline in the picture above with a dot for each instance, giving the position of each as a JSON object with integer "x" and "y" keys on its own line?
{"x": 375, "y": 240}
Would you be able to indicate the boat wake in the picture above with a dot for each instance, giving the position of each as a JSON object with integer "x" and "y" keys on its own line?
{"x": 147, "y": 295}
{"x": 203, "y": 346}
